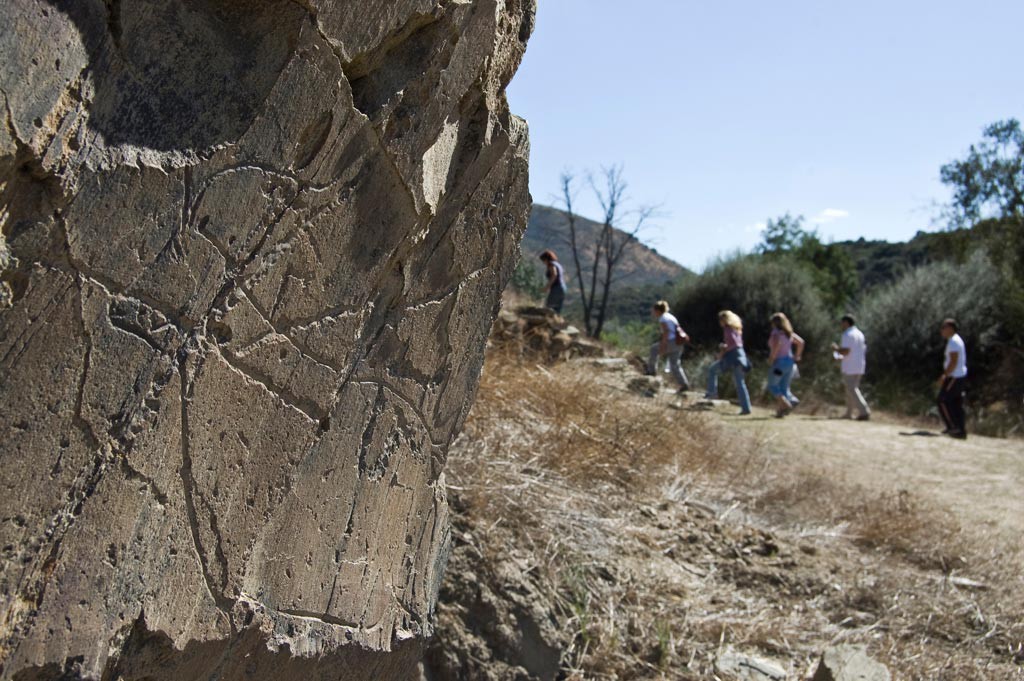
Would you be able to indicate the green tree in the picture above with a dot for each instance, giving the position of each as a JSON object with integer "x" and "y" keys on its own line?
{"x": 831, "y": 268}
{"x": 989, "y": 181}
{"x": 783, "y": 235}
{"x": 987, "y": 210}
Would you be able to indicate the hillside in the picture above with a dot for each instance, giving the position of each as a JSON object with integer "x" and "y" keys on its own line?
{"x": 882, "y": 262}
{"x": 644, "y": 275}
{"x": 642, "y": 265}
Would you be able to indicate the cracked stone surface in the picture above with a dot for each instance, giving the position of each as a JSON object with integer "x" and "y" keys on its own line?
{"x": 249, "y": 258}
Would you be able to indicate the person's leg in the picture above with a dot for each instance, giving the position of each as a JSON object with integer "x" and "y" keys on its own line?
{"x": 848, "y": 384}
{"x": 652, "y": 359}
{"x": 713, "y": 371}
{"x": 556, "y": 298}
{"x": 676, "y": 368}
{"x": 784, "y": 382}
{"x": 778, "y": 384}
{"x": 740, "y": 376}
{"x": 956, "y": 407}
{"x": 858, "y": 397}
{"x": 943, "y": 401}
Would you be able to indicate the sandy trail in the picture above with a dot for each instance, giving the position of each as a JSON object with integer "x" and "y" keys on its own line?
{"x": 980, "y": 480}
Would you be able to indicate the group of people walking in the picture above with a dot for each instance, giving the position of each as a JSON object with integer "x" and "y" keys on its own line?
{"x": 786, "y": 349}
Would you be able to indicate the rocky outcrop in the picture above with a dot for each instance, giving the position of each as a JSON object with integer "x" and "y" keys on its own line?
{"x": 540, "y": 333}
{"x": 250, "y": 257}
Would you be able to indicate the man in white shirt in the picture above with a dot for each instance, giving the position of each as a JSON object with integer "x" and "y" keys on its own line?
{"x": 953, "y": 381}
{"x": 852, "y": 354}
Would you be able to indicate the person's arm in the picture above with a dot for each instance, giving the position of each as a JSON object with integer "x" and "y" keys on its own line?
{"x": 954, "y": 358}
{"x": 798, "y": 347}
{"x": 552, "y": 276}
{"x": 842, "y": 350}
{"x": 723, "y": 347}
{"x": 663, "y": 341}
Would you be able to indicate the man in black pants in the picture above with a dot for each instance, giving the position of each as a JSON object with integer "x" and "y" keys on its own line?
{"x": 952, "y": 383}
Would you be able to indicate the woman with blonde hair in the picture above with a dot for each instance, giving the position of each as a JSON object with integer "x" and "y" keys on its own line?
{"x": 731, "y": 357}
{"x": 786, "y": 350}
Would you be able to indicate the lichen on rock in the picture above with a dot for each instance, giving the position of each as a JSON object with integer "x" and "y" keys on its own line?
{"x": 250, "y": 256}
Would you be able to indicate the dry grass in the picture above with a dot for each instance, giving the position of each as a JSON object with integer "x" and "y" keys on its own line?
{"x": 660, "y": 538}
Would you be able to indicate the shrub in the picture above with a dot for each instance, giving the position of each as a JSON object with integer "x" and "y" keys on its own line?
{"x": 755, "y": 287}
{"x": 902, "y": 321}
{"x": 527, "y": 279}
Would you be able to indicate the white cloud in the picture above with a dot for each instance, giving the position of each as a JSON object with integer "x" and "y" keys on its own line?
{"x": 830, "y": 215}
{"x": 755, "y": 228}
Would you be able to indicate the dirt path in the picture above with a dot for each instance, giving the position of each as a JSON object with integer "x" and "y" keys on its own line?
{"x": 981, "y": 480}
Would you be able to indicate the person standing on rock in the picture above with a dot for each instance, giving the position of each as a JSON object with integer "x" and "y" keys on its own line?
{"x": 556, "y": 285}
{"x": 731, "y": 357}
{"x": 852, "y": 353}
{"x": 953, "y": 381}
{"x": 786, "y": 350}
{"x": 669, "y": 345}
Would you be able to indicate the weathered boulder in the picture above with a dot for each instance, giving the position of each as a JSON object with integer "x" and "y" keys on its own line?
{"x": 849, "y": 663}
{"x": 250, "y": 256}
{"x": 541, "y": 333}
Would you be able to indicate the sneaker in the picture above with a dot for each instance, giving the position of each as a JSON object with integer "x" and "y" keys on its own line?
{"x": 743, "y": 413}
{"x": 957, "y": 434}
{"x": 683, "y": 390}
{"x": 864, "y": 417}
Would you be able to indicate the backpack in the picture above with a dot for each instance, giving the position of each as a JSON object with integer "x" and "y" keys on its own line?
{"x": 681, "y": 337}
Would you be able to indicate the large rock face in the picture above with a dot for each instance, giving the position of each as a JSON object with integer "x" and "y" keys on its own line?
{"x": 250, "y": 255}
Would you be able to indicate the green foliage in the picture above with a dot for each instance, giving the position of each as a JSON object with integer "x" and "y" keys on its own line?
{"x": 754, "y": 287}
{"x": 832, "y": 270}
{"x": 527, "y": 279}
{"x": 633, "y": 335}
{"x": 783, "y": 235}
{"x": 989, "y": 181}
{"x": 902, "y": 321}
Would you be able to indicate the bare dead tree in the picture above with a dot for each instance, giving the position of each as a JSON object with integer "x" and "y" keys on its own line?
{"x": 609, "y": 246}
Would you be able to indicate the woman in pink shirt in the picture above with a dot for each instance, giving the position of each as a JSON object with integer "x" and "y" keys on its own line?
{"x": 731, "y": 357}
{"x": 786, "y": 350}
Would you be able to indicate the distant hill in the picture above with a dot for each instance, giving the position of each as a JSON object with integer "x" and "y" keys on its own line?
{"x": 882, "y": 262}
{"x": 643, "y": 277}
{"x": 642, "y": 265}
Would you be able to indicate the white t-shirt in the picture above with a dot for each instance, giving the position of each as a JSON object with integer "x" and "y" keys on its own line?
{"x": 854, "y": 362}
{"x": 956, "y": 344}
{"x": 670, "y": 320}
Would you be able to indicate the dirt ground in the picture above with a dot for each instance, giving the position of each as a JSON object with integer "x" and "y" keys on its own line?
{"x": 980, "y": 480}
{"x": 604, "y": 530}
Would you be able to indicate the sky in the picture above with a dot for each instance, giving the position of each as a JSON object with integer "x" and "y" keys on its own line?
{"x": 725, "y": 113}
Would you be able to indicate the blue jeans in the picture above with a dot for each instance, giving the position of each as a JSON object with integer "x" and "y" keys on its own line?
{"x": 781, "y": 376}
{"x": 736, "y": 361}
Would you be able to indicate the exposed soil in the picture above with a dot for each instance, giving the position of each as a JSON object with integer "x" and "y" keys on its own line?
{"x": 603, "y": 534}
{"x": 981, "y": 479}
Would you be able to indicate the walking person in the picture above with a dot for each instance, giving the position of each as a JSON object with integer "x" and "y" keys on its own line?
{"x": 786, "y": 350}
{"x": 953, "y": 381}
{"x": 852, "y": 352}
{"x": 669, "y": 345}
{"x": 556, "y": 285}
{"x": 731, "y": 357}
